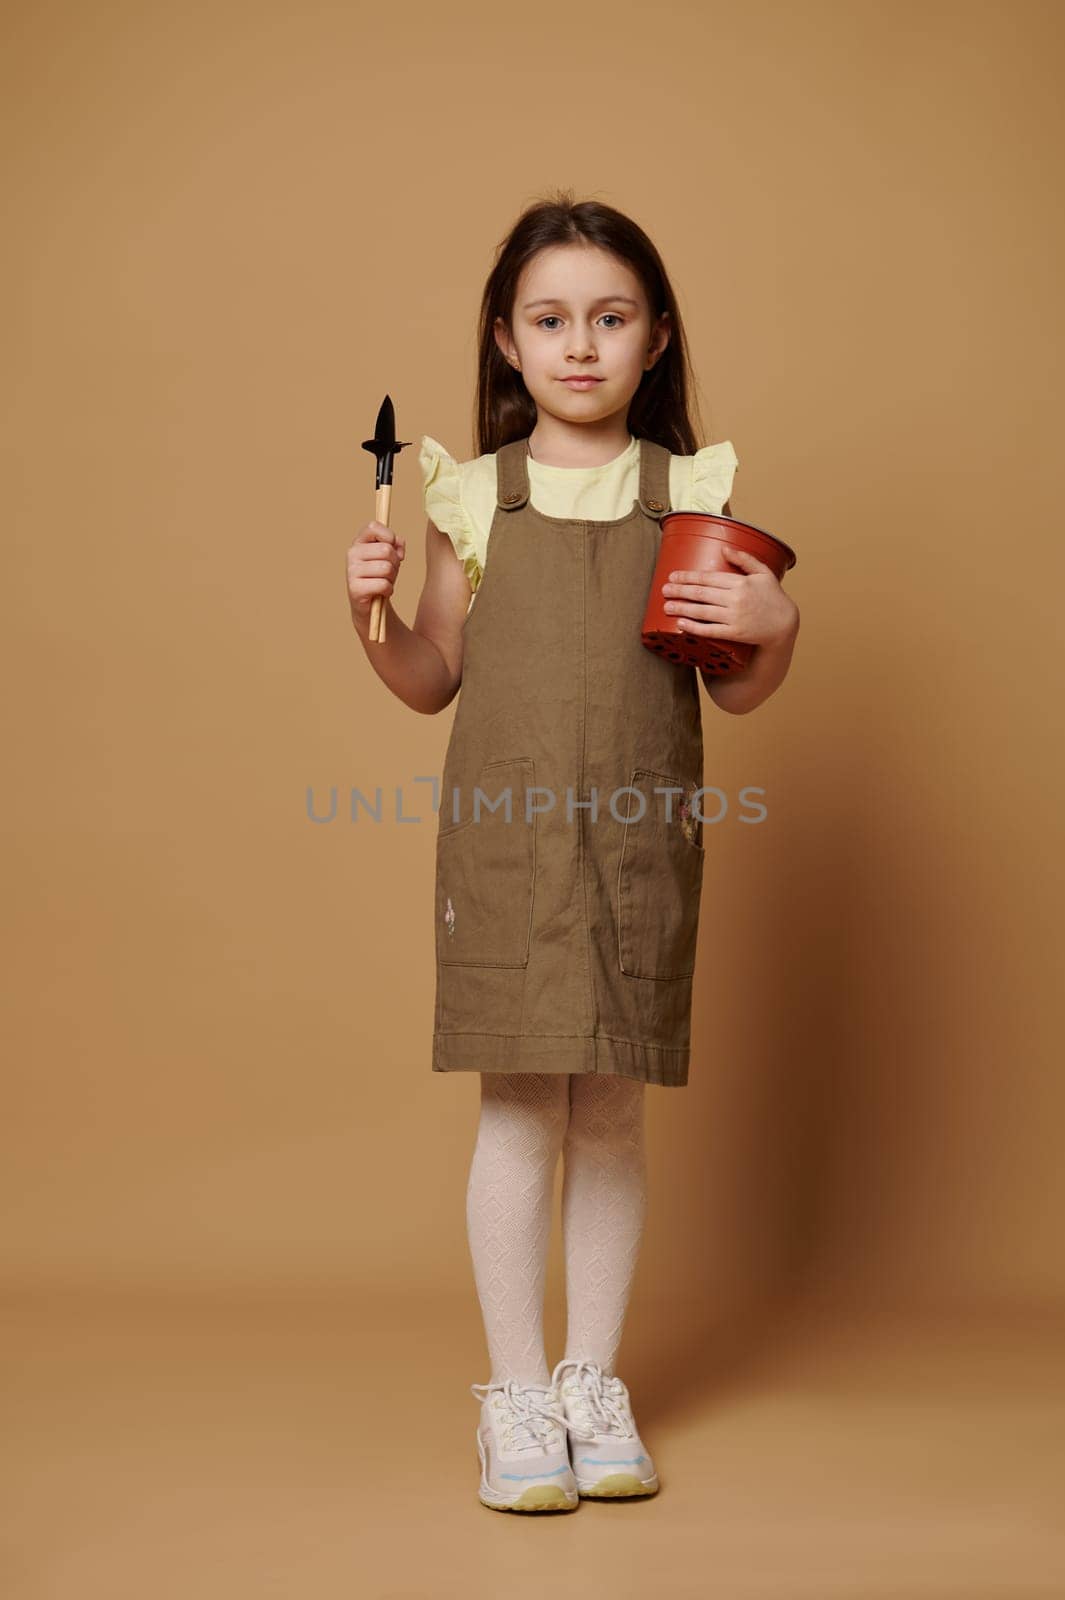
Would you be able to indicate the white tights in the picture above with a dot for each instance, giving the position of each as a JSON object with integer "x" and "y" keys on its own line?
{"x": 527, "y": 1118}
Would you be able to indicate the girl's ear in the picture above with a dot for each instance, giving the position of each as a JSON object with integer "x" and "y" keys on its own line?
{"x": 659, "y": 338}
{"x": 503, "y": 339}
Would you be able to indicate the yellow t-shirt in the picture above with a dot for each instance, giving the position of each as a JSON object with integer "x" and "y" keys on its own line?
{"x": 460, "y": 496}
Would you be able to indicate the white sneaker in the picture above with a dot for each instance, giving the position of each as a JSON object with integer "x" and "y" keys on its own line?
{"x": 608, "y": 1456}
{"x": 522, "y": 1447}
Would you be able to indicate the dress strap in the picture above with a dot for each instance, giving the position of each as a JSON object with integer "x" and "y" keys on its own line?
{"x": 654, "y": 478}
{"x": 512, "y": 474}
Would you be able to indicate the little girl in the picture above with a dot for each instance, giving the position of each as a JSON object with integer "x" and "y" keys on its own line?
{"x": 569, "y": 852}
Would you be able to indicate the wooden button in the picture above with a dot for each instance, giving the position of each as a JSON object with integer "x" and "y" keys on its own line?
{"x": 509, "y": 499}
{"x": 655, "y": 505}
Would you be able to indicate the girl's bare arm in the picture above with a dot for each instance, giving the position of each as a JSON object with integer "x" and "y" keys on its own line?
{"x": 421, "y": 664}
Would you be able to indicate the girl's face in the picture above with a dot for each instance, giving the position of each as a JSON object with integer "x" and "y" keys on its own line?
{"x": 579, "y": 312}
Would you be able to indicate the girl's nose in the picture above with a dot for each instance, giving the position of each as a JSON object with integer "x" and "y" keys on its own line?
{"x": 580, "y": 344}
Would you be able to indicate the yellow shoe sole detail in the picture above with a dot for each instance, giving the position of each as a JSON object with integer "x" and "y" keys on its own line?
{"x": 615, "y": 1486}
{"x": 542, "y": 1497}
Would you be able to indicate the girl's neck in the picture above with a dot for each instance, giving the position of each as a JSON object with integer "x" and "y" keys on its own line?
{"x": 578, "y": 446}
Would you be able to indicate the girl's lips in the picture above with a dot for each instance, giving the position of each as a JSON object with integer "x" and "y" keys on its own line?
{"x": 581, "y": 383}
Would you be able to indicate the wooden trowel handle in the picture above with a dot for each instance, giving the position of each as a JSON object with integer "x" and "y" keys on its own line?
{"x": 378, "y": 614}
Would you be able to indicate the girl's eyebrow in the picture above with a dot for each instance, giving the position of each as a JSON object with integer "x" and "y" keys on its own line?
{"x": 606, "y": 299}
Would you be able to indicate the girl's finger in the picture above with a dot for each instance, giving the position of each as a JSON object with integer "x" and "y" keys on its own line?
{"x": 701, "y": 592}
{"x": 712, "y": 610}
{"x": 711, "y": 629}
{"x": 744, "y": 559}
{"x": 694, "y": 582}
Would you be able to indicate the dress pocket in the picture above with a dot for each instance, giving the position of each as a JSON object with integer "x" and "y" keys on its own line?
{"x": 660, "y": 876}
{"x": 486, "y": 871}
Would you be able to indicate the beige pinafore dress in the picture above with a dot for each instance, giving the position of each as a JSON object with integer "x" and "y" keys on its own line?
{"x": 569, "y": 851}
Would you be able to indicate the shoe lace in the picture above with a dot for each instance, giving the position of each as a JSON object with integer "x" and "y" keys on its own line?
{"x": 528, "y": 1412}
{"x": 600, "y": 1402}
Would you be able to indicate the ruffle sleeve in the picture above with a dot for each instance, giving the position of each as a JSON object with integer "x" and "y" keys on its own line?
{"x": 713, "y": 469}
{"x": 442, "y": 497}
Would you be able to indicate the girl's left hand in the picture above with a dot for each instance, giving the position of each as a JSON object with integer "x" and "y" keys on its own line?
{"x": 748, "y": 607}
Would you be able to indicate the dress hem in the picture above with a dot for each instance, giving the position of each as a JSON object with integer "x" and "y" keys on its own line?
{"x": 565, "y": 1053}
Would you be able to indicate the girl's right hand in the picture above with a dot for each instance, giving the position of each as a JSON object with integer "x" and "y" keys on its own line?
{"x": 374, "y": 558}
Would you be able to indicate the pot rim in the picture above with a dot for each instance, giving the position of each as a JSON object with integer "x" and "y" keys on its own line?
{"x": 736, "y": 522}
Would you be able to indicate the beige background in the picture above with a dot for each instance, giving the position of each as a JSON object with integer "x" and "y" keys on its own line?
{"x": 231, "y": 1183}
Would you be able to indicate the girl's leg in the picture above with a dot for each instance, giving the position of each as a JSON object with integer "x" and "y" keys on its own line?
{"x": 508, "y": 1213}
{"x": 604, "y": 1203}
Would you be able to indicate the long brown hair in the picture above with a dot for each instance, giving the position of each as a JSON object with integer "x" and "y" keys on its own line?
{"x": 504, "y": 409}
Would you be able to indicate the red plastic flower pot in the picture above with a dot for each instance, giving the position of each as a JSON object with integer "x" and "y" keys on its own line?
{"x": 694, "y": 541}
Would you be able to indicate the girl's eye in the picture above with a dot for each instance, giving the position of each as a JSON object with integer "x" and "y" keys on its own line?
{"x": 552, "y": 318}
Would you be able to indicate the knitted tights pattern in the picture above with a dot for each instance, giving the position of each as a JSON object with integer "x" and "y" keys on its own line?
{"x": 527, "y": 1119}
